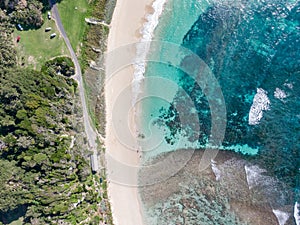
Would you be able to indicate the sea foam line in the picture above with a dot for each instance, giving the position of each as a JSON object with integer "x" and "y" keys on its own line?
{"x": 282, "y": 217}
{"x": 142, "y": 48}
{"x": 297, "y": 213}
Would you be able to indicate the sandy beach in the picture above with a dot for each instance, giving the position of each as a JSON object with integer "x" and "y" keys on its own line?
{"x": 122, "y": 156}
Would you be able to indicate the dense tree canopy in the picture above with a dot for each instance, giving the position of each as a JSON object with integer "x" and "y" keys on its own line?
{"x": 59, "y": 65}
{"x": 44, "y": 177}
{"x": 37, "y": 168}
{"x": 7, "y": 53}
{"x": 26, "y": 12}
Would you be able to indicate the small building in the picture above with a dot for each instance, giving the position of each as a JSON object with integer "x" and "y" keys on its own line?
{"x": 47, "y": 29}
{"x": 94, "y": 163}
{"x": 53, "y": 35}
{"x": 49, "y": 15}
{"x": 20, "y": 27}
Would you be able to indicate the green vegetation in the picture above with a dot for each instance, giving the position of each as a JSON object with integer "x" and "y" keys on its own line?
{"x": 26, "y": 13}
{"x": 17, "y": 222}
{"x": 37, "y": 169}
{"x": 7, "y": 53}
{"x": 96, "y": 35}
{"x": 82, "y": 35}
{"x": 95, "y": 39}
{"x": 59, "y": 65}
{"x": 42, "y": 178}
{"x": 72, "y": 15}
{"x": 36, "y": 47}
{"x": 45, "y": 177}
{"x": 92, "y": 42}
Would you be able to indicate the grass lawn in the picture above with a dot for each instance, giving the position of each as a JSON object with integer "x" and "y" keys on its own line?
{"x": 72, "y": 14}
{"x": 17, "y": 222}
{"x": 36, "y": 47}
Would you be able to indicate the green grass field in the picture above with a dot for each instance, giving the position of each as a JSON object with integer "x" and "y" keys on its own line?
{"x": 72, "y": 14}
{"x": 36, "y": 47}
{"x": 17, "y": 222}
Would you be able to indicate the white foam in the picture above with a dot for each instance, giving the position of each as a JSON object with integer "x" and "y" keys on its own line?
{"x": 291, "y": 4}
{"x": 143, "y": 47}
{"x": 253, "y": 175}
{"x": 280, "y": 94}
{"x": 281, "y": 216}
{"x": 260, "y": 103}
{"x": 296, "y": 213}
{"x": 216, "y": 170}
{"x": 289, "y": 85}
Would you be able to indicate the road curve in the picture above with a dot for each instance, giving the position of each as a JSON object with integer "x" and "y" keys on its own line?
{"x": 90, "y": 132}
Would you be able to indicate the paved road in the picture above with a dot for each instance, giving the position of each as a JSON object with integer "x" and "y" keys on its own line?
{"x": 90, "y": 132}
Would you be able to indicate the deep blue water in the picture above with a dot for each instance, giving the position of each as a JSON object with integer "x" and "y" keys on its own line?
{"x": 255, "y": 47}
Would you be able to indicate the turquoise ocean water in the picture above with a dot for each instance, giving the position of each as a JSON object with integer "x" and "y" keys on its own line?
{"x": 253, "y": 50}
{"x": 170, "y": 29}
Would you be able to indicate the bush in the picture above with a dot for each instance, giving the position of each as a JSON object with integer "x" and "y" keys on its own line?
{"x": 29, "y": 17}
{"x": 59, "y": 65}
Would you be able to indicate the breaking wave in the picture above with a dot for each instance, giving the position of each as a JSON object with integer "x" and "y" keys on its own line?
{"x": 261, "y": 103}
{"x": 143, "y": 47}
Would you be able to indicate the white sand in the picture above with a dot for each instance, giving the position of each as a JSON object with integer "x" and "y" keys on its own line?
{"x": 127, "y": 20}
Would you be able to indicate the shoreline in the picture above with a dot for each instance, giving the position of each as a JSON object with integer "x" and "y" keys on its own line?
{"x": 127, "y": 21}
